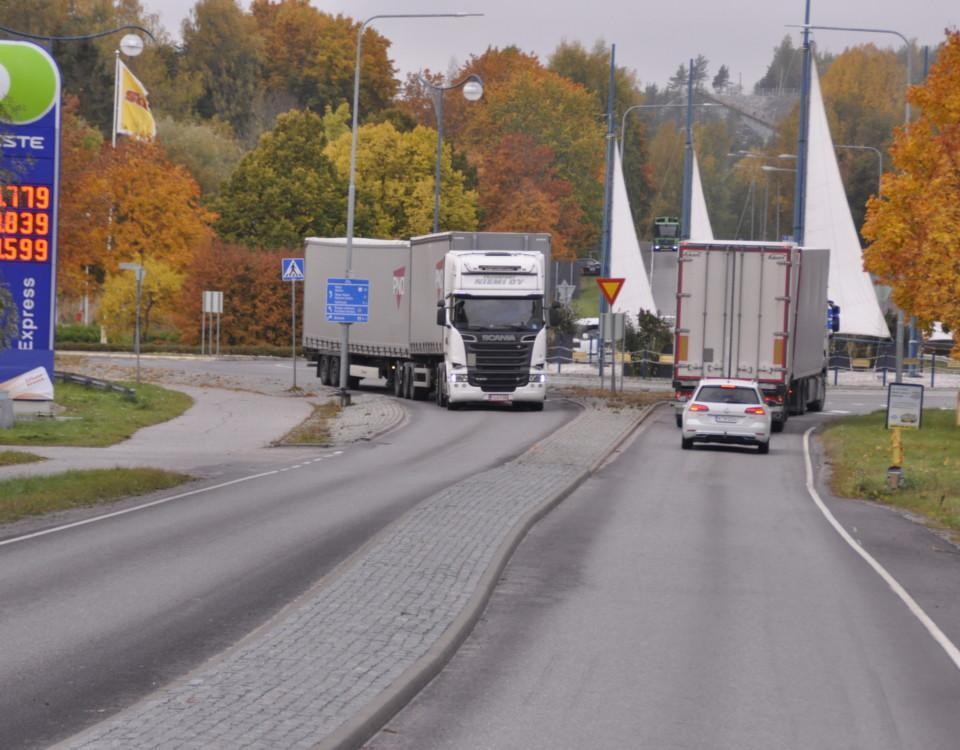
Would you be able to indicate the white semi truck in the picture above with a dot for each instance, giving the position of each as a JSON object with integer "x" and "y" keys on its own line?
{"x": 756, "y": 311}
{"x": 459, "y": 315}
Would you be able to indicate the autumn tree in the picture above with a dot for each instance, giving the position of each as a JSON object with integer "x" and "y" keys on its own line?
{"x": 913, "y": 228}
{"x": 137, "y": 206}
{"x": 256, "y": 307}
{"x": 285, "y": 189}
{"x": 81, "y": 148}
{"x": 395, "y": 182}
{"x": 311, "y": 55}
{"x": 524, "y": 193}
{"x": 159, "y": 300}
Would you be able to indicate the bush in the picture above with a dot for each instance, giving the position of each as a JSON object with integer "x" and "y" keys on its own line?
{"x": 76, "y": 333}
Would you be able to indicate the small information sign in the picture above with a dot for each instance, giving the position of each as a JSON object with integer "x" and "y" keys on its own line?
{"x": 905, "y": 405}
{"x": 348, "y": 300}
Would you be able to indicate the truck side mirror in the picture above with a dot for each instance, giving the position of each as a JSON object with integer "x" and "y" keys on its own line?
{"x": 553, "y": 314}
{"x": 441, "y": 314}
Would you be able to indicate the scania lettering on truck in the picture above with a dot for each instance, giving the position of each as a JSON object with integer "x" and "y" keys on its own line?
{"x": 461, "y": 316}
{"x": 754, "y": 311}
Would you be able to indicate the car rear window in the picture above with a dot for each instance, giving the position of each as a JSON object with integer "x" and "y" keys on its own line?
{"x": 716, "y": 395}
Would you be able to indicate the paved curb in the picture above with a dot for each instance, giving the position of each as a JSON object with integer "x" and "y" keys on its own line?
{"x": 339, "y": 662}
{"x": 364, "y": 724}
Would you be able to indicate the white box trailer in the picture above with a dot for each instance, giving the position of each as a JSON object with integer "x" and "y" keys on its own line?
{"x": 756, "y": 311}
{"x": 413, "y": 337}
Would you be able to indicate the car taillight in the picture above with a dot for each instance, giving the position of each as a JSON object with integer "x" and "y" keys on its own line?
{"x": 699, "y": 407}
{"x": 755, "y": 410}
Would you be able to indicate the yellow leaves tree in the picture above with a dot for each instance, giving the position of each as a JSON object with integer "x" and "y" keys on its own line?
{"x": 159, "y": 296}
{"x": 913, "y": 228}
{"x": 394, "y": 180}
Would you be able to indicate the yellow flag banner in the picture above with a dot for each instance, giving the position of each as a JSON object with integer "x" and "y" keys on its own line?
{"x": 133, "y": 113}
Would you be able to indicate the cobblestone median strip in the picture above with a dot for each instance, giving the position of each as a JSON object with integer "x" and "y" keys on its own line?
{"x": 349, "y": 654}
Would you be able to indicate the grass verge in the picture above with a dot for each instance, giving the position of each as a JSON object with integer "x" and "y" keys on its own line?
{"x": 587, "y": 302}
{"x": 315, "y": 429}
{"x": 12, "y": 458}
{"x": 33, "y": 496}
{"x": 858, "y": 450}
{"x": 91, "y": 417}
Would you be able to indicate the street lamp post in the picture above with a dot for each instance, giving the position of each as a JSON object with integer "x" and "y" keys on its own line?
{"x": 879, "y": 160}
{"x": 807, "y": 27}
{"x": 139, "y": 272}
{"x": 767, "y": 168}
{"x": 472, "y": 87}
{"x": 352, "y": 187}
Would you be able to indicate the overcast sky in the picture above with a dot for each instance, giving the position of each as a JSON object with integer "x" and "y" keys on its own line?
{"x": 651, "y": 38}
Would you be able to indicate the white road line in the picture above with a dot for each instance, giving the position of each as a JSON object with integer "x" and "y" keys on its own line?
{"x": 161, "y": 501}
{"x": 929, "y": 624}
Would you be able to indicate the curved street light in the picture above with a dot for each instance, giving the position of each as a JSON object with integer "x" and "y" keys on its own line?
{"x": 472, "y": 87}
{"x": 134, "y": 48}
{"x": 352, "y": 187}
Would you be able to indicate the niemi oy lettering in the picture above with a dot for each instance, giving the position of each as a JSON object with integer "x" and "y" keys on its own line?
{"x": 28, "y": 321}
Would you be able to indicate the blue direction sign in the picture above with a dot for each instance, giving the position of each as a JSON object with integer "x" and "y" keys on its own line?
{"x": 348, "y": 300}
{"x": 291, "y": 269}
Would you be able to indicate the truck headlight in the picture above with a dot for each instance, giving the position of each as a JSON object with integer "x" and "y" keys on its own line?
{"x": 538, "y": 377}
{"x": 457, "y": 377}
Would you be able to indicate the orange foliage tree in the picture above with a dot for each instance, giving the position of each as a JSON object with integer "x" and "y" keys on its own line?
{"x": 913, "y": 228}
{"x": 256, "y": 303}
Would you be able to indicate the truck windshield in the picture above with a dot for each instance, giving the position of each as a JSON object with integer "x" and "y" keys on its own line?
{"x": 510, "y": 313}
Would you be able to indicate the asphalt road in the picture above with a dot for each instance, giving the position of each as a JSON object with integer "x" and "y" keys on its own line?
{"x": 95, "y": 617}
{"x": 703, "y": 601}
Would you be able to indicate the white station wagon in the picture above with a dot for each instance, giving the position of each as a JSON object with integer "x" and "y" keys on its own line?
{"x": 726, "y": 411}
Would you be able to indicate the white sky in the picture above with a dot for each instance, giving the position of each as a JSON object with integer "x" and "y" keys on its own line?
{"x": 651, "y": 38}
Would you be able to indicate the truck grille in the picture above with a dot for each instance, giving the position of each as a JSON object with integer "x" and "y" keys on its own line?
{"x": 500, "y": 365}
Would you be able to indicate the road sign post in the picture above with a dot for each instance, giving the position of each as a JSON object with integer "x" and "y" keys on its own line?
{"x": 610, "y": 288}
{"x": 291, "y": 269}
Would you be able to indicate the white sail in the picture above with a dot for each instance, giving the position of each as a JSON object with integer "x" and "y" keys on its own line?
{"x": 828, "y": 223}
{"x": 700, "y": 229}
{"x": 625, "y": 259}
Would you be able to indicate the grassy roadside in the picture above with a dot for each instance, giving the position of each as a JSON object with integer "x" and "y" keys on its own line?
{"x": 32, "y": 496}
{"x": 858, "y": 451}
{"x": 95, "y": 418}
{"x": 92, "y": 418}
{"x": 315, "y": 429}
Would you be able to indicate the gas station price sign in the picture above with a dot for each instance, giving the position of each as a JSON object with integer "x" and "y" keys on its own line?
{"x": 29, "y": 179}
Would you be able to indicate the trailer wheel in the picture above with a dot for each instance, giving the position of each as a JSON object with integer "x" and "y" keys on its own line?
{"x": 398, "y": 380}
{"x": 408, "y": 389}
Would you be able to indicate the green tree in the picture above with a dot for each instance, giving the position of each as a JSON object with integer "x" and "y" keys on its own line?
{"x": 394, "y": 181}
{"x": 285, "y": 189}
{"x": 221, "y": 46}
{"x": 208, "y": 150}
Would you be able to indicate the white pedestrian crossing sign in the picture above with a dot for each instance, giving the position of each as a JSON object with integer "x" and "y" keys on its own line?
{"x": 291, "y": 269}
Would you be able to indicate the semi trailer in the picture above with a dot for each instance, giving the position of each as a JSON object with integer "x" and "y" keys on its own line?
{"x": 756, "y": 311}
{"x": 459, "y": 316}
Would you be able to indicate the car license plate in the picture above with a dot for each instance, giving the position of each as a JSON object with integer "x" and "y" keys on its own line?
{"x": 498, "y": 397}
{"x": 727, "y": 420}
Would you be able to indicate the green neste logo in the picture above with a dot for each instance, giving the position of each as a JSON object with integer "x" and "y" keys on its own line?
{"x": 29, "y": 83}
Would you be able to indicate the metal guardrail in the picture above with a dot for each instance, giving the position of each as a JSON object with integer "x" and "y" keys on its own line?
{"x": 98, "y": 383}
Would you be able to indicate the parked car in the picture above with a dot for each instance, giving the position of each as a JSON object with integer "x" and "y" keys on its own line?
{"x": 589, "y": 266}
{"x": 725, "y": 410}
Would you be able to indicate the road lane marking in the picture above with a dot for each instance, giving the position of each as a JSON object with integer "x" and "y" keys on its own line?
{"x": 938, "y": 635}
{"x": 161, "y": 501}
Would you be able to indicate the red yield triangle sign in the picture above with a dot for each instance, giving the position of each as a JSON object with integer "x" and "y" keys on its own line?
{"x": 610, "y": 288}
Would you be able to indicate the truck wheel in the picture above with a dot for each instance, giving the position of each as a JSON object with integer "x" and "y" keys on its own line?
{"x": 535, "y": 406}
{"x": 398, "y": 380}
{"x": 451, "y": 406}
{"x": 440, "y": 394}
{"x": 679, "y": 419}
{"x": 353, "y": 382}
{"x": 334, "y": 376}
{"x": 408, "y": 389}
{"x": 323, "y": 369}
